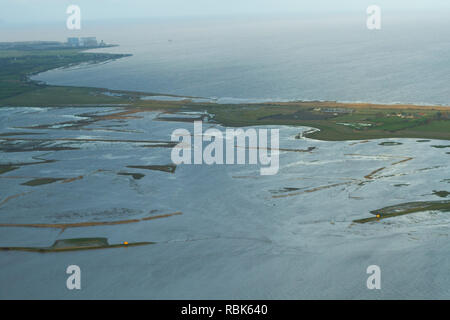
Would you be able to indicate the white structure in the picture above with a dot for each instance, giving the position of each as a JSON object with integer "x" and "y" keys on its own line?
{"x": 82, "y": 42}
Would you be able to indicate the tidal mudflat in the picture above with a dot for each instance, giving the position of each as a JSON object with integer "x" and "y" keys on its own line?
{"x": 216, "y": 231}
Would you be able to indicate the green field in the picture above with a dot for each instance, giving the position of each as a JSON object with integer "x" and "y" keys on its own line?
{"x": 17, "y": 65}
{"x": 351, "y": 121}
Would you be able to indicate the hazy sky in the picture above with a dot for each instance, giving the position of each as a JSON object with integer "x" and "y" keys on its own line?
{"x": 38, "y": 11}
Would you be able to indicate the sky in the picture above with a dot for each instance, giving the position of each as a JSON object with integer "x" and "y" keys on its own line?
{"x": 49, "y": 11}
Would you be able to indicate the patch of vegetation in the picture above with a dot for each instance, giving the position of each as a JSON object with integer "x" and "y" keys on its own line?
{"x": 442, "y": 194}
{"x": 136, "y": 176}
{"x": 330, "y": 129}
{"x": 401, "y": 185}
{"x": 389, "y": 143}
{"x": 161, "y": 145}
{"x": 441, "y": 146}
{"x": 7, "y": 168}
{"x": 64, "y": 226}
{"x": 76, "y": 244}
{"x": 41, "y": 181}
{"x": 284, "y": 190}
{"x": 407, "y": 208}
{"x": 307, "y": 114}
{"x": 170, "y": 168}
{"x": 80, "y": 242}
{"x": 10, "y": 134}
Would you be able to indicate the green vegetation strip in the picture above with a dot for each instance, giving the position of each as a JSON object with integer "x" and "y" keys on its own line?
{"x": 7, "y": 168}
{"x": 442, "y": 194}
{"x": 389, "y": 143}
{"x": 76, "y": 244}
{"x": 164, "y": 168}
{"x": 136, "y": 176}
{"x": 85, "y": 224}
{"x": 41, "y": 181}
{"x": 407, "y": 208}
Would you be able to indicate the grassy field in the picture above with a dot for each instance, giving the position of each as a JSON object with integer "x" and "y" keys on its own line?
{"x": 336, "y": 121}
{"x": 17, "y": 65}
{"x": 364, "y": 122}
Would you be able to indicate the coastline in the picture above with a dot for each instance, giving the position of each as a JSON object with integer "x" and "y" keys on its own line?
{"x": 255, "y": 101}
{"x": 335, "y": 121}
{"x": 238, "y": 101}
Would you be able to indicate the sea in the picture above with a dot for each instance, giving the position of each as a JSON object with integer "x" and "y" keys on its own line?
{"x": 270, "y": 58}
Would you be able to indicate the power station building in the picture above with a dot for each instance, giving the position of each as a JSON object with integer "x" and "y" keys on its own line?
{"x": 82, "y": 42}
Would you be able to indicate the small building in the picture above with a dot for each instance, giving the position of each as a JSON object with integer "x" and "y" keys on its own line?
{"x": 88, "y": 42}
{"x": 73, "y": 42}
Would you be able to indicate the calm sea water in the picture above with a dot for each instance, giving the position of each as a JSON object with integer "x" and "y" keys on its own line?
{"x": 321, "y": 58}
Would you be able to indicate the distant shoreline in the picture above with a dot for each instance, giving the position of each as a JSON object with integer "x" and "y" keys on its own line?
{"x": 281, "y": 101}
{"x": 336, "y": 121}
